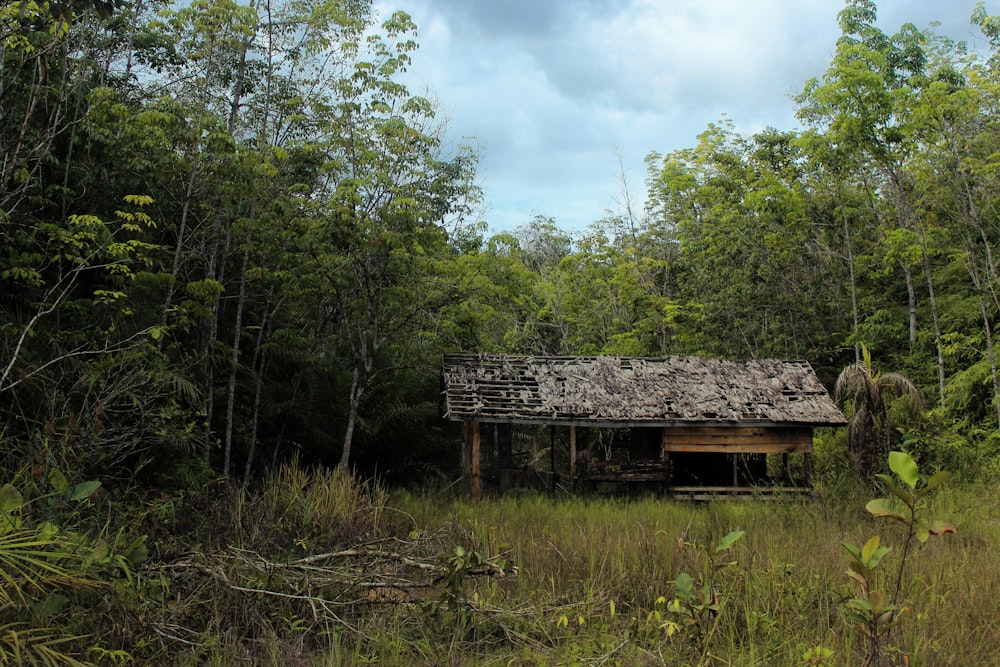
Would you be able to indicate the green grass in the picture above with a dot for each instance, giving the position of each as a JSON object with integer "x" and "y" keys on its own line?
{"x": 779, "y": 599}
{"x": 313, "y": 568}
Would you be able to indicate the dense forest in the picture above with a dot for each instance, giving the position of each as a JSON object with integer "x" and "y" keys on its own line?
{"x": 230, "y": 239}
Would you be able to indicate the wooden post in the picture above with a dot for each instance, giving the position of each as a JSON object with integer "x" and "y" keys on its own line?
{"x": 477, "y": 482}
{"x": 552, "y": 455}
{"x": 465, "y": 455}
{"x": 572, "y": 454}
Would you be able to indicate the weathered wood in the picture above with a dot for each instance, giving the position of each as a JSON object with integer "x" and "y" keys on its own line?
{"x": 477, "y": 482}
{"x": 741, "y": 440}
{"x": 618, "y": 391}
{"x": 632, "y": 471}
{"x": 552, "y": 456}
{"x": 465, "y": 456}
{"x": 740, "y": 489}
{"x": 572, "y": 451}
{"x": 747, "y": 448}
{"x": 628, "y": 477}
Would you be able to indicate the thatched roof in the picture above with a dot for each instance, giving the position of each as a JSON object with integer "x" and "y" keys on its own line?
{"x": 634, "y": 391}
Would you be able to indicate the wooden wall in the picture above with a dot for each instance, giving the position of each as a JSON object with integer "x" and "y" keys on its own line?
{"x": 737, "y": 439}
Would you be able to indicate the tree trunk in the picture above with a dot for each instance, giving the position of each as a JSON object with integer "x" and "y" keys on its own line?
{"x": 854, "y": 286}
{"x": 939, "y": 344}
{"x": 990, "y": 352}
{"x": 258, "y": 385}
{"x": 911, "y": 295}
{"x": 234, "y": 364}
{"x": 260, "y": 363}
{"x": 352, "y": 418}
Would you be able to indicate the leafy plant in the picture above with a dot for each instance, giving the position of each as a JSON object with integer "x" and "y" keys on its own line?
{"x": 817, "y": 656}
{"x": 37, "y": 564}
{"x": 454, "y": 610}
{"x": 908, "y": 505}
{"x": 698, "y": 600}
{"x": 871, "y": 612}
{"x": 874, "y": 612}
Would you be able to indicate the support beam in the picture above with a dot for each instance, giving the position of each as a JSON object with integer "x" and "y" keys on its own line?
{"x": 572, "y": 452}
{"x": 552, "y": 455}
{"x": 477, "y": 482}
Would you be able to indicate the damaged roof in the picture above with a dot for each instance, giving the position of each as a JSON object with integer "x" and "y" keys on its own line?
{"x": 632, "y": 391}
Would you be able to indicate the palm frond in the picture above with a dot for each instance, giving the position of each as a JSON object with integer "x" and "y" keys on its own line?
{"x": 903, "y": 386}
{"x": 24, "y": 645}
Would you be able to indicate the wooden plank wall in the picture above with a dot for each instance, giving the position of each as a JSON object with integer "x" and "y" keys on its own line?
{"x": 737, "y": 439}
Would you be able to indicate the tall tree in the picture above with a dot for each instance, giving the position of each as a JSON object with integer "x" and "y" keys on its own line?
{"x": 377, "y": 238}
{"x": 865, "y": 102}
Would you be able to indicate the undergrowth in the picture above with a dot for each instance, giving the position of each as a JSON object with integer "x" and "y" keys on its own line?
{"x": 317, "y": 568}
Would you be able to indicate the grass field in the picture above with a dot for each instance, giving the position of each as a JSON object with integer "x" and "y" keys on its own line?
{"x": 316, "y": 568}
{"x": 595, "y": 581}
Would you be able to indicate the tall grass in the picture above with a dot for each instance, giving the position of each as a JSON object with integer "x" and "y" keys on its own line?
{"x": 780, "y": 599}
{"x": 316, "y": 568}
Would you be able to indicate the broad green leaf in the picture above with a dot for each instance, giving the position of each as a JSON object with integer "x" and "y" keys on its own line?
{"x": 137, "y": 552}
{"x": 857, "y": 619}
{"x": 10, "y": 499}
{"x": 685, "y": 584}
{"x": 58, "y": 481}
{"x": 854, "y": 550}
{"x": 84, "y": 490}
{"x": 729, "y": 540}
{"x": 47, "y": 530}
{"x": 870, "y": 549}
{"x": 861, "y": 604}
{"x": 935, "y": 481}
{"x": 885, "y": 507}
{"x": 903, "y": 494}
{"x": 905, "y": 468}
{"x": 877, "y": 602}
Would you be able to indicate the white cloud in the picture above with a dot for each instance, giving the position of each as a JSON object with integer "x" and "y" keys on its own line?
{"x": 553, "y": 89}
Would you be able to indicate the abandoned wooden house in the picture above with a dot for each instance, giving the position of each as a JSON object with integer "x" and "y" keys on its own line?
{"x": 689, "y": 425}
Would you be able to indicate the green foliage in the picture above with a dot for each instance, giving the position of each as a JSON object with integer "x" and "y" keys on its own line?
{"x": 230, "y": 233}
{"x": 452, "y": 614}
{"x": 870, "y": 392}
{"x": 875, "y": 611}
{"x": 46, "y": 571}
{"x": 698, "y": 601}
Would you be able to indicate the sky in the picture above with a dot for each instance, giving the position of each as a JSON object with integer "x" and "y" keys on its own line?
{"x": 565, "y": 98}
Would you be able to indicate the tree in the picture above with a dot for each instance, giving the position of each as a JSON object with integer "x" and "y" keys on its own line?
{"x": 870, "y": 393}
{"x": 379, "y": 234}
{"x": 866, "y": 101}
{"x": 749, "y": 270}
